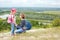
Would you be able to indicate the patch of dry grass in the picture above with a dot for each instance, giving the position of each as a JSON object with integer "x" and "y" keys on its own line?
{"x": 46, "y": 34}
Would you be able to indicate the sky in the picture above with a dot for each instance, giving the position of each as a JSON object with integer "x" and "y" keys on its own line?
{"x": 29, "y": 3}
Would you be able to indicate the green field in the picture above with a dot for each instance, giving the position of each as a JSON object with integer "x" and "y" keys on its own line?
{"x": 37, "y": 19}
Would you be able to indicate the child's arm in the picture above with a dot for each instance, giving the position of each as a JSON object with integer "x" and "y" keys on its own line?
{"x": 16, "y": 25}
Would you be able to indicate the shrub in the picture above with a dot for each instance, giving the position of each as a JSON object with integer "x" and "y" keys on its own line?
{"x": 34, "y": 23}
{"x": 4, "y": 25}
{"x": 56, "y": 22}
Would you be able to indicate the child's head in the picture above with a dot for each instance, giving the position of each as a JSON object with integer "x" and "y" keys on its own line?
{"x": 13, "y": 11}
{"x": 22, "y": 16}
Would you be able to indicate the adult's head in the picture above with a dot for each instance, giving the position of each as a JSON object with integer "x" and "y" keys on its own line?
{"x": 13, "y": 11}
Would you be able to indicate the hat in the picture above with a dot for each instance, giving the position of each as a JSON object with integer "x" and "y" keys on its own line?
{"x": 13, "y": 10}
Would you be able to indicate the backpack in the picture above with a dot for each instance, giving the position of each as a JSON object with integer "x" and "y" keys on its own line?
{"x": 28, "y": 25}
{"x": 9, "y": 19}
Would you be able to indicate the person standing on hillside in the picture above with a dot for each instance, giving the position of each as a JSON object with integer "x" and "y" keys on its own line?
{"x": 11, "y": 20}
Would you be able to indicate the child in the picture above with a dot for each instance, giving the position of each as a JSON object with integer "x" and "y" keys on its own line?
{"x": 21, "y": 27}
{"x": 24, "y": 25}
{"x": 11, "y": 20}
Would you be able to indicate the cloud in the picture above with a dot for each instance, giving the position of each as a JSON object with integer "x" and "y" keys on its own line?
{"x": 30, "y": 3}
